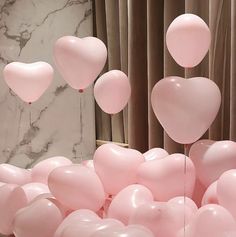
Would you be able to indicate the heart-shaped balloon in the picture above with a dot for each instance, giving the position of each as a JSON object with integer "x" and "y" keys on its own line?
{"x": 79, "y": 60}
{"x": 120, "y": 163}
{"x": 28, "y": 80}
{"x": 181, "y": 108}
{"x": 12, "y": 198}
{"x": 128, "y": 231}
{"x": 166, "y": 178}
{"x": 112, "y": 91}
{"x": 77, "y": 187}
{"x": 210, "y": 196}
{"x": 14, "y": 175}
{"x": 212, "y": 158}
{"x": 226, "y": 192}
{"x": 40, "y": 218}
{"x": 40, "y": 171}
{"x": 163, "y": 219}
{"x": 155, "y": 153}
{"x": 127, "y": 200}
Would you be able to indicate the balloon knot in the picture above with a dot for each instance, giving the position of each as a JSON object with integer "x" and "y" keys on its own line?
{"x": 30, "y": 103}
{"x": 81, "y": 90}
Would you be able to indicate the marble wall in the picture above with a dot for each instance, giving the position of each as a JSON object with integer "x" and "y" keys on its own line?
{"x": 61, "y": 122}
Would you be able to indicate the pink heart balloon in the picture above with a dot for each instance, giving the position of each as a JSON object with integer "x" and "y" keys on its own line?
{"x": 79, "y": 60}
{"x": 181, "y": 108}
{"x": 12, "y": 198}
{"x": 112, "y": 91}
{"x": 77, "y": 187}
{"x": 75, "y": 217}
{"x": 41, "y": 171}
{"x": 127, "y": 200}
{"x": 28, "y": 80}
{"x": 165, "y": 177}
{"x": 40, "y": 218}
{"x": 226, "y": 192}
{"x": 129, "y": 231}
{"x": 14, "y": 175}
{"x": 211, "y": 220}
{"x": 120, "y": 163}
{"x": 212, "y": 158}
{"x": 188, "y": 39}
{"x": 210, "y": 196}
{"x": 155, "y": 153}
{"x": 163, "y": 219}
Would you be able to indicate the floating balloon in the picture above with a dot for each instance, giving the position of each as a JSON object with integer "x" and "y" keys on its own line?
{"x": 155, "y": 153}
{"x": 41, "y": 171}
{"x": 210, "y": 196}
{"x": 28, "y": 80}
{"x": 112, "y": 91}
{"x": 188, "y": 39}
{"x": 77, "y": 187}
{"x": 181, "y": 108}
{"x": 79, "y": 60}
{"x": 212, "y": 158}
{"x": 120, "y": 163}
{"x": 165, "y": 177}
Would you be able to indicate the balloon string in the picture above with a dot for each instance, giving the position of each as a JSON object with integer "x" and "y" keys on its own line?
{"x": 30, "y": 125}
{"x": 185, "y": 170}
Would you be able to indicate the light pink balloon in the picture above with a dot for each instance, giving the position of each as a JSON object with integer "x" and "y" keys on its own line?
{"x": 226, "y": 192}
{"x": 210, "y": 196}
{"x": 75, "y": 217}
{"x": 86, "y": 229}
{"x": 127, "y": 201}
{"x": 77, "y": 187}
{"x": 120, "y": 163}
{"x": 28, "y": 80}
{"x": 112, "y": 91}
{"x": 41, "y": 171}
{"x": 198, "y": 192}
{"x": 188, "y": 39}
{"x": 79, "y": 60}
{"x": 40, "y": 218}
{"x": 163, "y": 219}
{"x": 88, "y": 163}
{"x": 181, "y": 108}
{"x": 12, "y": 198}
{"x": 211, "y": 220}
{"x": 165, "y": 177}
{"x": 128, "y": 231}
{"x": 212, "y": 158}
{"x": 155, "y": 153}
{"x": 14, "y": 175}
{"x": 1, "y": 184}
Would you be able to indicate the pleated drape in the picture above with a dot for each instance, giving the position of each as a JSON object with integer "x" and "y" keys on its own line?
{"x": 134, "y": 31}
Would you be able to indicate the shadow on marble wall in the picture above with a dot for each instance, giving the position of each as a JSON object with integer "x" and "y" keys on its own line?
{"x": 62, "y": 120}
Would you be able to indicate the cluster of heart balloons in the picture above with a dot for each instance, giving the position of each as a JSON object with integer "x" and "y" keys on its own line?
{"x": 80, "y": 61}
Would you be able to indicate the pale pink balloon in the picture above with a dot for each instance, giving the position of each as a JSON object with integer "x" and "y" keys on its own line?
{"x": 210, "y": 196}
{"x": 181, "y": 108}
{"x": 76, "y": 217}
{"x": 155, "y": 153}
{"x": 112, "y": 91}
{"x": 41, "y": 171}
{"x": 1, "y": 184}
{"x": 79, "y": 60}
{"x": 28, "y": 80}
{"x": 88, "y": 163}
{"x": 188, "y": 39}
{"x": 211, "y": 220}
{"x": 165, "y": 177}
{"x": 226, "y": 192}
{"x": 14, "y": 175}
{"x": 40, "y": 219}
{"x": 86, "y": 229}
{"x": 77, "y": 187}
{"x": 128, "y": 231}
{"x": 127, "y": 201}
{"x": 163, "y": 219}
{"x": 212, "y": 158}
{"x": 198, "y": 192}
{"x": 120, "y": 163}
{"x": 12, "y": 198}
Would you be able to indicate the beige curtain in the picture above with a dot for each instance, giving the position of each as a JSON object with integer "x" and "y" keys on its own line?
{"x": 134, "y": 31}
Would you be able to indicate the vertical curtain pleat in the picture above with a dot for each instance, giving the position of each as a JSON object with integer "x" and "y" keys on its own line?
{"x": 138, "y": 110}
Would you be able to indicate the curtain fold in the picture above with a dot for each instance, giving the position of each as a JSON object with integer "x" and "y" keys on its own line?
{"x": 138, "y": 28}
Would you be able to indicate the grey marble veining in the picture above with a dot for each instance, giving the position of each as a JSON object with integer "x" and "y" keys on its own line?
{"x": 61, "y": 122}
